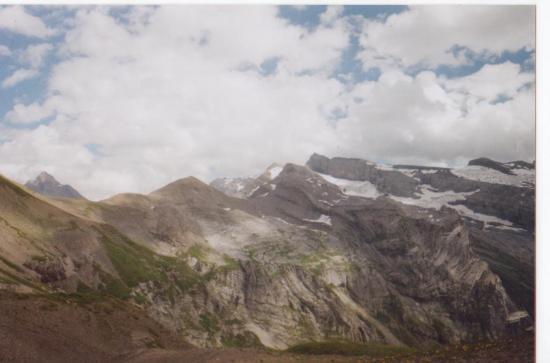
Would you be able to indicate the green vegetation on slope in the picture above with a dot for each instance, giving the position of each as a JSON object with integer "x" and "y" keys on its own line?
{"x": 136, "y": 264}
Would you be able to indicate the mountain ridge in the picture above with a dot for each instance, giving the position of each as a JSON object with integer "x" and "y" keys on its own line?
{"x": 305, "y": 256}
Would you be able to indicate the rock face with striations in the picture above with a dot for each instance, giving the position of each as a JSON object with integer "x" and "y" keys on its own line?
{"x": 496, "y": 200}
{"x": 46, "y": 184}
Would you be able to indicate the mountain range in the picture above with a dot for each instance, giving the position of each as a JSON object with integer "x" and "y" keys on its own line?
{"x": 337, "y": 249}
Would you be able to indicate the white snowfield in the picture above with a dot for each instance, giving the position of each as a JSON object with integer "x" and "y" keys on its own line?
{"x": 430, "y": 198}
{"x": 427, "y": 198}
{"x": 274, "y": 172}
{"x": 523, "y": 177}
{"x": 322, "y": 219}
{"x": 353, "y": 187}
{"x": 412, "y": 172}
{"x": 408, "y": 172}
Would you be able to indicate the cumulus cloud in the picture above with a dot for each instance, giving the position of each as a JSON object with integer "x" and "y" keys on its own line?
{"x": 19, "y": 76}
{"x": 4, "y": 51}
{"x": 35, "y": 54}
{"x": 298, "y": 7}
{"x": 17, "y": 20}
{"x": 33, "y": 58}
{"x": 426, "y": 34}
{"x": 25, "y": 114}
{"x": 492, "y": 80}
{"x": 422, "y": 119}
{"x": 332, "y": 13}
{"x": 177, "y": 99}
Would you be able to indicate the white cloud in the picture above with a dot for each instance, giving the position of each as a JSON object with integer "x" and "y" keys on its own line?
{"x": 4, "y": 51}
{"x": 25, "y": 114}
{"x": 33, "y": 57}
{"x": 298, "y": 7}
{"x": 19, "y": 76}
{"x": 176, "y": 101}
{"x": 17, "y": 20}
{"x": 492, "y": 80}
{"x": 415, "y": 119}
{"x": 332, "y": 13}
{"x": 425, "y": 34}
{"x": 34, "y": 54}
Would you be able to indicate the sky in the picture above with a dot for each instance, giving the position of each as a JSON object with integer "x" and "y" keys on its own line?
{"x": 130, "y": 98}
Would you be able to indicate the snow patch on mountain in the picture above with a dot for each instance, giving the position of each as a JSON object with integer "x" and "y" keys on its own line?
{"x": 468, "y": 213}
{"x": 354, "y": 188}
{"x": 274, "y": 172}
{"x": 407, "y": 172}
{"x": 245, "y": 187}
{"x": 522, "y": 177}
{"x": 322, "y": 219}
{"x": 253, "y": 191}
{"x": 431, "y": 198}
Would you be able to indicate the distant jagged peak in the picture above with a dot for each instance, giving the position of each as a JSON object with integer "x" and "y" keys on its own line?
{"x": 47, "y": 185}
{"x": 44, "y": 177}
{"x": 271, "y": 172}
{"x": 244, "y": 187}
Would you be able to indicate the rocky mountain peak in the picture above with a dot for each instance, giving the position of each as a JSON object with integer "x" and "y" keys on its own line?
{"x": 245, "y": 187}
{"x": 44, "y": 177}
{"x": 271, "y": 172}
{"x": 46, "y": 184}
{"x": 181, "y": 187}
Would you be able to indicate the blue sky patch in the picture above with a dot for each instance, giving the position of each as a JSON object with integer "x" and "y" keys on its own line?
{"x": 522, "y": 57}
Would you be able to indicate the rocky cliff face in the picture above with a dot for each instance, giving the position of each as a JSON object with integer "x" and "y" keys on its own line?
{"x": 47, "y": 185}
{"x": 341, "y": 249}
{"x": 386, "y": 180}
{"x": 496, "y": 201}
